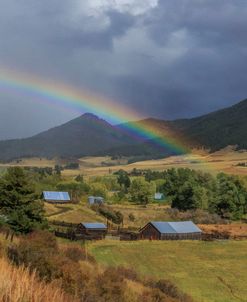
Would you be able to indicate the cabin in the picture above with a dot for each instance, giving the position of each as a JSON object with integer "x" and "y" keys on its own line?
{"x": 56, "y": 197}
{"x": 96, "y": 229}
{"x": 162, "y": 230}
{"x": 159, "y": 196}
{"x": 95, "y": 200}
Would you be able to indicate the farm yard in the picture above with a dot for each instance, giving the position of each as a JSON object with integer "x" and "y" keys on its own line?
{"x": 211, "y": 269}
{"x": 208, "y": 271}
{"x": 81, "y": 212}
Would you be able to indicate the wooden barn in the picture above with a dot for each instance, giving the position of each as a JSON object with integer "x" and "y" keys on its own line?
{"x": 161, "y": 230}
{"x": 56, "y": 197}
{"x": 92, "y": 228}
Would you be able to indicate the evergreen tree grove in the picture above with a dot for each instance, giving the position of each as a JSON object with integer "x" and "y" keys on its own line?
{"x": 18, "y": 202}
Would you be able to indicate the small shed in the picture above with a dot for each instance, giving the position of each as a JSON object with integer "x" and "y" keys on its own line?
{"x": 56, "y": 197}
{"x": 162, "y": 230}
{"x": 159, "y": 196}
{"x": 95, "y": 200}
{"x": 92, "y": 228}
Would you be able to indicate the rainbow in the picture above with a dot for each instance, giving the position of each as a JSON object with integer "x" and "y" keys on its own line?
{"x": 80, "y": 101}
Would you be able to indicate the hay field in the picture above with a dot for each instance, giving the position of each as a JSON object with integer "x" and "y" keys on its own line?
{"x": 142, "y": 214}
{"x": 74, "y": 213}
{"x": 77, "y": 213}
{"x": 225, "y": 160}
{"x": 208, "y": 271}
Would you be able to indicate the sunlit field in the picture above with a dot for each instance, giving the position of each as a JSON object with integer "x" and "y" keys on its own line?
{"x": 208, "y": 271}
{"x": 225, "y": 160}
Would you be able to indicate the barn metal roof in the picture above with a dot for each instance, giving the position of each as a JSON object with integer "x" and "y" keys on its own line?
{"x": 94, "y": 225}
{"x": 177, "y": 227}
{"x": 59, "y": 196}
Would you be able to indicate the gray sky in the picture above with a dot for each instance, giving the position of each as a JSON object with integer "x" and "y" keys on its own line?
{"x": 167, "y": 59}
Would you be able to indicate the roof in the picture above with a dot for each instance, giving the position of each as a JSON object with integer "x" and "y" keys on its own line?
{"x": 177, "y": 227}
{"x": 94, "y": 225}
{"x": 50, "y": 195}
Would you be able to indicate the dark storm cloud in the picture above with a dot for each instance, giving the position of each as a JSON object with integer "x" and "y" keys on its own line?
{"x": 168, "y": 59}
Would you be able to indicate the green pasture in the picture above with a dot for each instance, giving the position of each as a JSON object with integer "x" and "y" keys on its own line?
{"x": 208, "y": 271}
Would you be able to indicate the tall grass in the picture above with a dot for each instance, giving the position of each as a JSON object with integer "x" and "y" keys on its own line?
{"x": 18, "y": 285}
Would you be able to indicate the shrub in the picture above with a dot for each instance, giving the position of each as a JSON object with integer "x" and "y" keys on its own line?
{"x": 169, "y": 290}
{"x": 127, "y": 273}
{"x": 77, "y": 254}
{"x": 111, "y": 286}
{"x": 132, "y": 217}
{"x": 17, "y": 284}
{"x": 39, "y": 252}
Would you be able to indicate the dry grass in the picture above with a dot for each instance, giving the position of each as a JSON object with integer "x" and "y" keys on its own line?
{"x": 142, "y": 214}
{"x": 31, "y": 162}
{"x": 238, "y": 229}
{"x": 75, "y": 213}
{"x": 17, "y": 285}
{"x": 224, "y": 160}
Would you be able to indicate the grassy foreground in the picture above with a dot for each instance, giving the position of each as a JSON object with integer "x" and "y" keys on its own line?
{"x": 208, "y": 271}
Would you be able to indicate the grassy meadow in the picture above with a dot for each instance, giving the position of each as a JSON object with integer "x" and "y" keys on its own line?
{"x": 208, "y": 271}
{"x": 225, "y": 160}
{"x": 77, "y": 213}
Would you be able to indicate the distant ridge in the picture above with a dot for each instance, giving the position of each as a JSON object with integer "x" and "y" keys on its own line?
{"x": 218, "y": 129}
{"x": 85, "y": 135}
{"x": 88, "y": 135}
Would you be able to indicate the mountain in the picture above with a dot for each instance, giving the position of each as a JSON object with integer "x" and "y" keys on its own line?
{"x": 89, "y": 135}
{"x": 216, "y": 130}
{"x": 213, "y": 131}
{"x": 85, "y": 135}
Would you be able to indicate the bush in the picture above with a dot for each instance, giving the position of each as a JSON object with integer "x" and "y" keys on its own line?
{"x": 111, "y": 286}
{"x": 132, "y": 217}
{"x": 169, "y": 290}
{"x": 127, "y": 273}
{"x": 197, "y": 216}
{"x": 37, "y": 251}
{"x": 77, "y": 254}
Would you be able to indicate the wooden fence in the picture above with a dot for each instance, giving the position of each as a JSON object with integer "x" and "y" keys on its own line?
{"x": 75, "y": 236}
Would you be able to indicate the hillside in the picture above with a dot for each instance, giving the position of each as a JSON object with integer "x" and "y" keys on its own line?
{"x": 88, "y": 135}
{"x": 213, "y": 131}
{"x": 205, "y": 270}
{"x": 85, "y": 135}
{"x": 218, "y": 129}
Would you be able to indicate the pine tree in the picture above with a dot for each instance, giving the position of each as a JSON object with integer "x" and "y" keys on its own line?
{"x": 18, "y": 202}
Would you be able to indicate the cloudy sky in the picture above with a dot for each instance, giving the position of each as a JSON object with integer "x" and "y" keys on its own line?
{"x": 167, "y": 59}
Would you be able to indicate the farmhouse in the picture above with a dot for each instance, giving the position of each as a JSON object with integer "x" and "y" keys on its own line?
{"x": 95, "y": 200}
{"x": 161, "y": 230}
{"x": 56, "y": 197}
{"x": 92, "y": 228}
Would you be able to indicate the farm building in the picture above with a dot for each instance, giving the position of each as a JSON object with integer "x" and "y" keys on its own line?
{"x": 159, "y": 196}
{"x": 95, "y": 200}
{"x": 92, "y": 228}
{"x": 56, "y": 197}
{"x": 161, "y": 230}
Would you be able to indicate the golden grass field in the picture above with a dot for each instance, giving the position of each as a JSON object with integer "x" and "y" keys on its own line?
{"x": 224, "y": 160}
{"x": 77, "y": 213}
{"x": 17, "y": 284}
